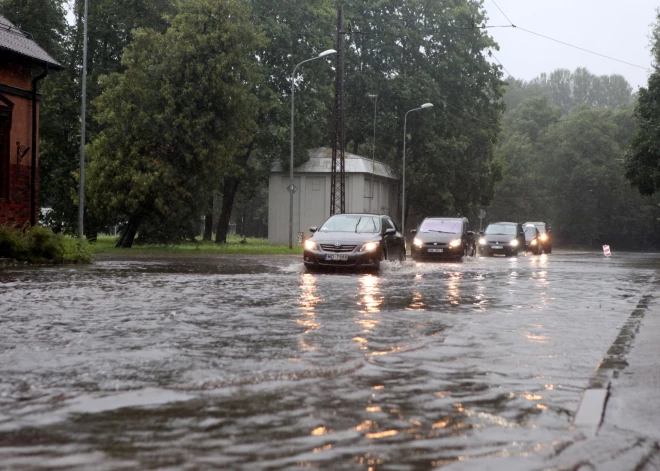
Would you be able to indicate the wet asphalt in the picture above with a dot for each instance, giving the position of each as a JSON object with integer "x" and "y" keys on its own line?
{"x": 237, "y": 362}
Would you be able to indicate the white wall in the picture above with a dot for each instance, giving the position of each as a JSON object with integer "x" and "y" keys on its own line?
{"x": 312, "y": 202}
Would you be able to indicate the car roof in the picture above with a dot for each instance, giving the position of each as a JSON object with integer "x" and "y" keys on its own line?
{"x": 360, "y": 214}
{"x": 533, "y": 222}
{"x": 504, "y": 222}
{"x": 459, "y": 218}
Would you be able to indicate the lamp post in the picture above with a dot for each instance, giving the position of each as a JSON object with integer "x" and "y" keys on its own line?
{"x": 373, "y": 151}
{"x": 292, "y": 189}
{"x": 403, "y": 185}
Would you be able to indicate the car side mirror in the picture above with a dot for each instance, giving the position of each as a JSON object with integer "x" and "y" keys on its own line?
{"x": 413, "y": 231}
{"x": 390, "y": 231}
{"x": 470, "y": 233}
{"x": 313, "y": 229}
{"x": 481, "y": 233}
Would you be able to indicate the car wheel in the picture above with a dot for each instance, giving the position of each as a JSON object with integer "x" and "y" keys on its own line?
{"x": 402, "y": 255}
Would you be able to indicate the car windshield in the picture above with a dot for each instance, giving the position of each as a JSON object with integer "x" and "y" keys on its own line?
{"x": 501, "y": 229}
{"x": 451, "y": 226}
{"x": 530, "y": 232}
{"x": 351, "y": 223}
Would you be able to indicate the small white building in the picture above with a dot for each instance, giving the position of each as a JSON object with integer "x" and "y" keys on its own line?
{"x": 311, "y": 203}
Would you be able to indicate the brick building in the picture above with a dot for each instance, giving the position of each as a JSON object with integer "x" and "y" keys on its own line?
{"x": 23, "y": 64}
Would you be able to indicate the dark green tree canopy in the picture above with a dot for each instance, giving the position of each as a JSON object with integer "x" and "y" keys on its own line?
{"x": 174, "y": 119}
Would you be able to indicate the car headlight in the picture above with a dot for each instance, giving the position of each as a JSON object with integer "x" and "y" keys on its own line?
{"x": 417, "y": 242}
{"x": 482, "y": 241}
{"x": 369, "y": 246}
{"x": 514, "y": 243}
{"x": 455, "y": 243}
{"x": 533, "y": 242}
{"x": 544, "y": 237}
{"x": 310, "y": 245}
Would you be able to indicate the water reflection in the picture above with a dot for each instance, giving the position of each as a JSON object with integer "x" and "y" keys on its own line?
{"x": 308, "y": 300}
{"x": 369, "y": 306}
{"x": 453, "y": 293}
{"x": 417, "y": 302}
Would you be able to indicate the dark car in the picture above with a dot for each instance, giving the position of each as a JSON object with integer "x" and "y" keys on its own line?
{"x": 354, "y": 240}
{"x": 532, "y": 239}
{"x": 502, "y": 238}
{"x": 443, "y": 238}
{"x": 546, "y": 236}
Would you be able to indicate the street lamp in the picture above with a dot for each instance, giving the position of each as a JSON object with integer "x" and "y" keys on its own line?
{"x": 403, "y": 187}
{"x": 292, "y": 189}
{"x": 373, "y": 151}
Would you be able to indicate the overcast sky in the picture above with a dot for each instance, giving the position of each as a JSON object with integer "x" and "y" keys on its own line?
{"x": 616, "y": 28}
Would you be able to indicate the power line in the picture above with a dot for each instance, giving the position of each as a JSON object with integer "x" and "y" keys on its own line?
{"x": 581, "y": 48}
{"x": 490, "y": 52}
{"x": 565, "y": 43}
{"x": 507, "y": 18}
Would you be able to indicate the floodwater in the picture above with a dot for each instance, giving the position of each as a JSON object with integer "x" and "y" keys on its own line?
{"x": 227, "y": 362}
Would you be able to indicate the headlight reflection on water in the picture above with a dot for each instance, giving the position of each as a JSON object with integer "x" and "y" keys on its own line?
{"x": 370, "y": 301}
{"x": 307, "y": 302}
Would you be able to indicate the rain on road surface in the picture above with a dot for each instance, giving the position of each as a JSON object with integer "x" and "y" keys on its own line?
{"x": 225, "y": 362}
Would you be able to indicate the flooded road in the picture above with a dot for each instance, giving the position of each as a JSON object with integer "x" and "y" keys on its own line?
{"x": 251, "y": 363}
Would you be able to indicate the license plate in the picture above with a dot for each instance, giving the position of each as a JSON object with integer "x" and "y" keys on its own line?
{"x": 336, "y": 256}
{"x": 496, "y": 247}
{"x": 436, "y": 250}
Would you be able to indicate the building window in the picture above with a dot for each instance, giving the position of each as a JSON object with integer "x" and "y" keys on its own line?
{"x": 5, "y": 127}
{"x": 367, "y": 188}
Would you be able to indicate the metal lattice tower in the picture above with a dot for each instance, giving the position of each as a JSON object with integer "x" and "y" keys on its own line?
{"x": 337, "y": 172}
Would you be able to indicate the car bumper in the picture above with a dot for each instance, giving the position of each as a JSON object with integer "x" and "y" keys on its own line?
{"x": 487, "y": 250}
{"x": 318, "y": 259}
{"x": 447, "y": 252}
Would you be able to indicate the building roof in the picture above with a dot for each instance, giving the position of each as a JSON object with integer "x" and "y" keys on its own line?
{"x": 320, "y": 161}
{"x": 19, "y": 42}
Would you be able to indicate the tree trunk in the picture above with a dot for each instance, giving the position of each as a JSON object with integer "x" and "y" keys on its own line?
{"x": 208, "y": 221}
{"x": 130, "y": 230}
{"x": 229, "y": 190}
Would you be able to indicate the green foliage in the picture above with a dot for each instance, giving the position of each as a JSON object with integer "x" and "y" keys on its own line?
{"x": 236, "y": 245}
{"x": 566, "y": 90}
{"x": 110, "y": 30}
{"x": 175, "y": 118}
{"x": 418, "y": 52}
{"x": 40, "y": 244}
{"x": 44, "y": 20}
{"x": 643, "y": 157}
{"x": 568, "y": 170}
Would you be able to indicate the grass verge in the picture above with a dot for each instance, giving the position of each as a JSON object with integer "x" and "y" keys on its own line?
{"x": 235, "y": 245}
{"x": 40, "y": 245}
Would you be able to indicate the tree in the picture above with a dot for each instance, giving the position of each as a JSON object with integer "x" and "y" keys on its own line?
{"x": 110, "y": 26}
{"x": 44, "y": 20}
{"x": 173, "y": 122}
{"x": 643, "y": 156}
{"x": 413, "y": 52}
{"x": 297, "y": 30}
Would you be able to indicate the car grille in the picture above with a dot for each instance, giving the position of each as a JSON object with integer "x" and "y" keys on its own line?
{"x": 436, "y": 244}
{"x": 337, "y": 249}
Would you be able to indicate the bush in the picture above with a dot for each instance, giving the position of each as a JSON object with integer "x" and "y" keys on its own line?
{"x": 40, "y": 244}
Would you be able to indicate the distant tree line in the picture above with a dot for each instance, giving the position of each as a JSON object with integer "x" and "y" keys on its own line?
{"x": 562, "y": 146}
